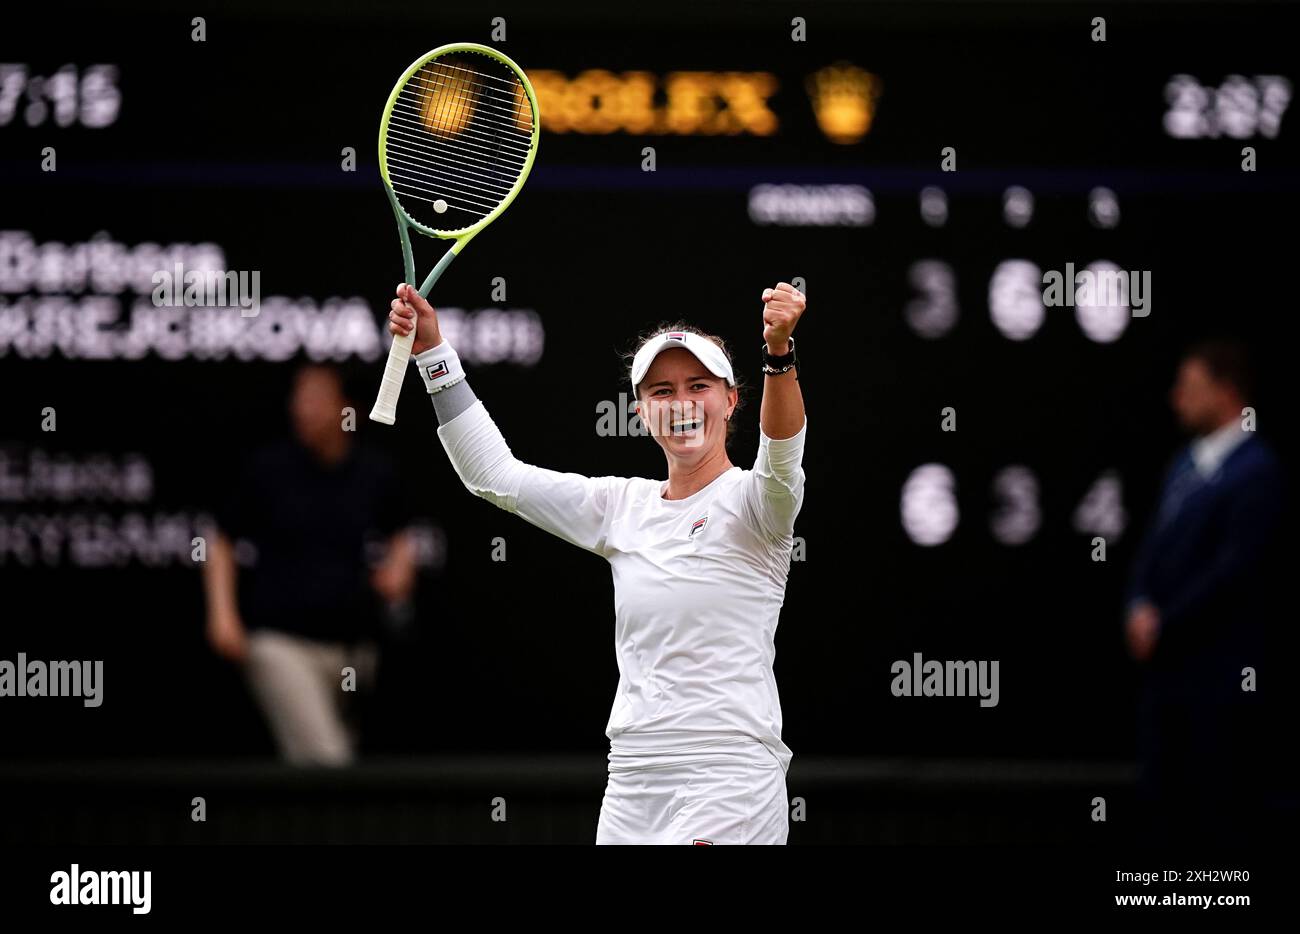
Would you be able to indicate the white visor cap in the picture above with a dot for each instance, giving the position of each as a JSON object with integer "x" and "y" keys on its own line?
{"x": 707, "y": 352}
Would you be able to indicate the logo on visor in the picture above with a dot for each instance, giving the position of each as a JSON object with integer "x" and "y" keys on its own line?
{"x": 675, "y": 336}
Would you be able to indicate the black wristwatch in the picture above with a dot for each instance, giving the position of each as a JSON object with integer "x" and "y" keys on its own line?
{"x": 775, "y": 366}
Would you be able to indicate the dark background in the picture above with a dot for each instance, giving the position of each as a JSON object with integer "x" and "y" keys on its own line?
{"x": 236, "y": 141}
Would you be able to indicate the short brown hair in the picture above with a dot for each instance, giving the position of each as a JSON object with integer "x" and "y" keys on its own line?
{"x": 666, "y": 326}
{"x": 1228, "y": 362}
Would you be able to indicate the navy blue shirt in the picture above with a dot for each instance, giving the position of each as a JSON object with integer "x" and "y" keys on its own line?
{"x": 310, "y": 524}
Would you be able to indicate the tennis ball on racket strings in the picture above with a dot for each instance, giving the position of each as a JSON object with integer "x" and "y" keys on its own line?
{"x": 440, "y": 206}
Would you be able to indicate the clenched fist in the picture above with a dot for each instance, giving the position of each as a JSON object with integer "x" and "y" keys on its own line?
{"x": 782, "y": 308}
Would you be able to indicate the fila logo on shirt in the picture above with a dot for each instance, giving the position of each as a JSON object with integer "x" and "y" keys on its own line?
{"x": 697, "y": 525}
{"x": 437, "y": 370}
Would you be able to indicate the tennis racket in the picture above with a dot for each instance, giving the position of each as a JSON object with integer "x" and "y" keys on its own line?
{"x": 457, "y": 141}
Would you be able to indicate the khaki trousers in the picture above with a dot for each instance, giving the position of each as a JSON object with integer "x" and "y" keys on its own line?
{"x": 298, "y": 683}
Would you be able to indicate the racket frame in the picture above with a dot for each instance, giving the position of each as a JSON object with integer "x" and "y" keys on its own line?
{"x": 399, "y": 354}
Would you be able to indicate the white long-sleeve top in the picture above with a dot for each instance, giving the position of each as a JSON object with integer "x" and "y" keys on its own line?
{"x": 698, "y": 582}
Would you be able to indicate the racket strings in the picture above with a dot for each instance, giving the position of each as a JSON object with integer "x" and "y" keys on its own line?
{"x": 406, "y": 114}
{"x": 449, "y": 64}
{"x": 473, "y": 142}
{"x": 455, "y": 84}
{"x": 473, "y": 154}
{"x": 436, "y": 169}
{"x": 458, "y": 137}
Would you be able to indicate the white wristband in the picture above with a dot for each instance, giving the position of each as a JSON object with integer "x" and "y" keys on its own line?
{"x": 439, "y": 367}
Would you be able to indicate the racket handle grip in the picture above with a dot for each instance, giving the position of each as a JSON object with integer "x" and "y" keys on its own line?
{"x": 390, "y": 387}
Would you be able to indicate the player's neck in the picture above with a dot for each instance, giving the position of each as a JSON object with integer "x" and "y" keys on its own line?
{"x": 687, "y": 481}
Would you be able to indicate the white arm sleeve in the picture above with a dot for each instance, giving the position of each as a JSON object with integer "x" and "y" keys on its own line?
{"x": 774, "y": 489}
{"x": 568, "y": 505}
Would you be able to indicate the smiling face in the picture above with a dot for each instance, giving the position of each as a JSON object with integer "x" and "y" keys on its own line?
{"x": 685, "y": 406}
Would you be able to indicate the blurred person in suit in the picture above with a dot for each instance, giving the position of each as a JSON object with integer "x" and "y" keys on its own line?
{"x": 325, "y": 520}
{"x": 1198, "y": 607}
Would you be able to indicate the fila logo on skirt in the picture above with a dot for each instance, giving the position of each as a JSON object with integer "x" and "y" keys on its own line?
{"x": 701, "y": 843}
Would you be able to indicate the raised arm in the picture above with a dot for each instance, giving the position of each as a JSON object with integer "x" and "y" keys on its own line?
{"x": 568, "y": 505}
{"x": 781, "y": 414}
{"x": 776, "y": 488}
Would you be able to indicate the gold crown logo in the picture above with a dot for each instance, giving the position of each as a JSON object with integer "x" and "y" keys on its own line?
{"x": 844, "y": 101}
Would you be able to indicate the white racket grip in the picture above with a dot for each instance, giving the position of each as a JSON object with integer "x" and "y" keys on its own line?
{"x": 390, "y": 387}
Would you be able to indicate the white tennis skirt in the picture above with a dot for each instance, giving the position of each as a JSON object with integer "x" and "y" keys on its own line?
{"x": 718, "y": 793}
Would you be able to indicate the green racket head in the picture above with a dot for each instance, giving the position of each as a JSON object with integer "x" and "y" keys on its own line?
{"x": 458, "y": 139}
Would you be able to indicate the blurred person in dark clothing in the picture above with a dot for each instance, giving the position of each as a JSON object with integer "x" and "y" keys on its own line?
{"x": 325, "y": 519}
{"x": 1198, "y": 607}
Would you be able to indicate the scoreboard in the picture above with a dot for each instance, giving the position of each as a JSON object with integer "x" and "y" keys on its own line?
{"x": 983, "y": 449}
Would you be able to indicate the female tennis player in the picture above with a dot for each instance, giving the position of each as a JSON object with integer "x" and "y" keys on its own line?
{"x": 699, "y": 562}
